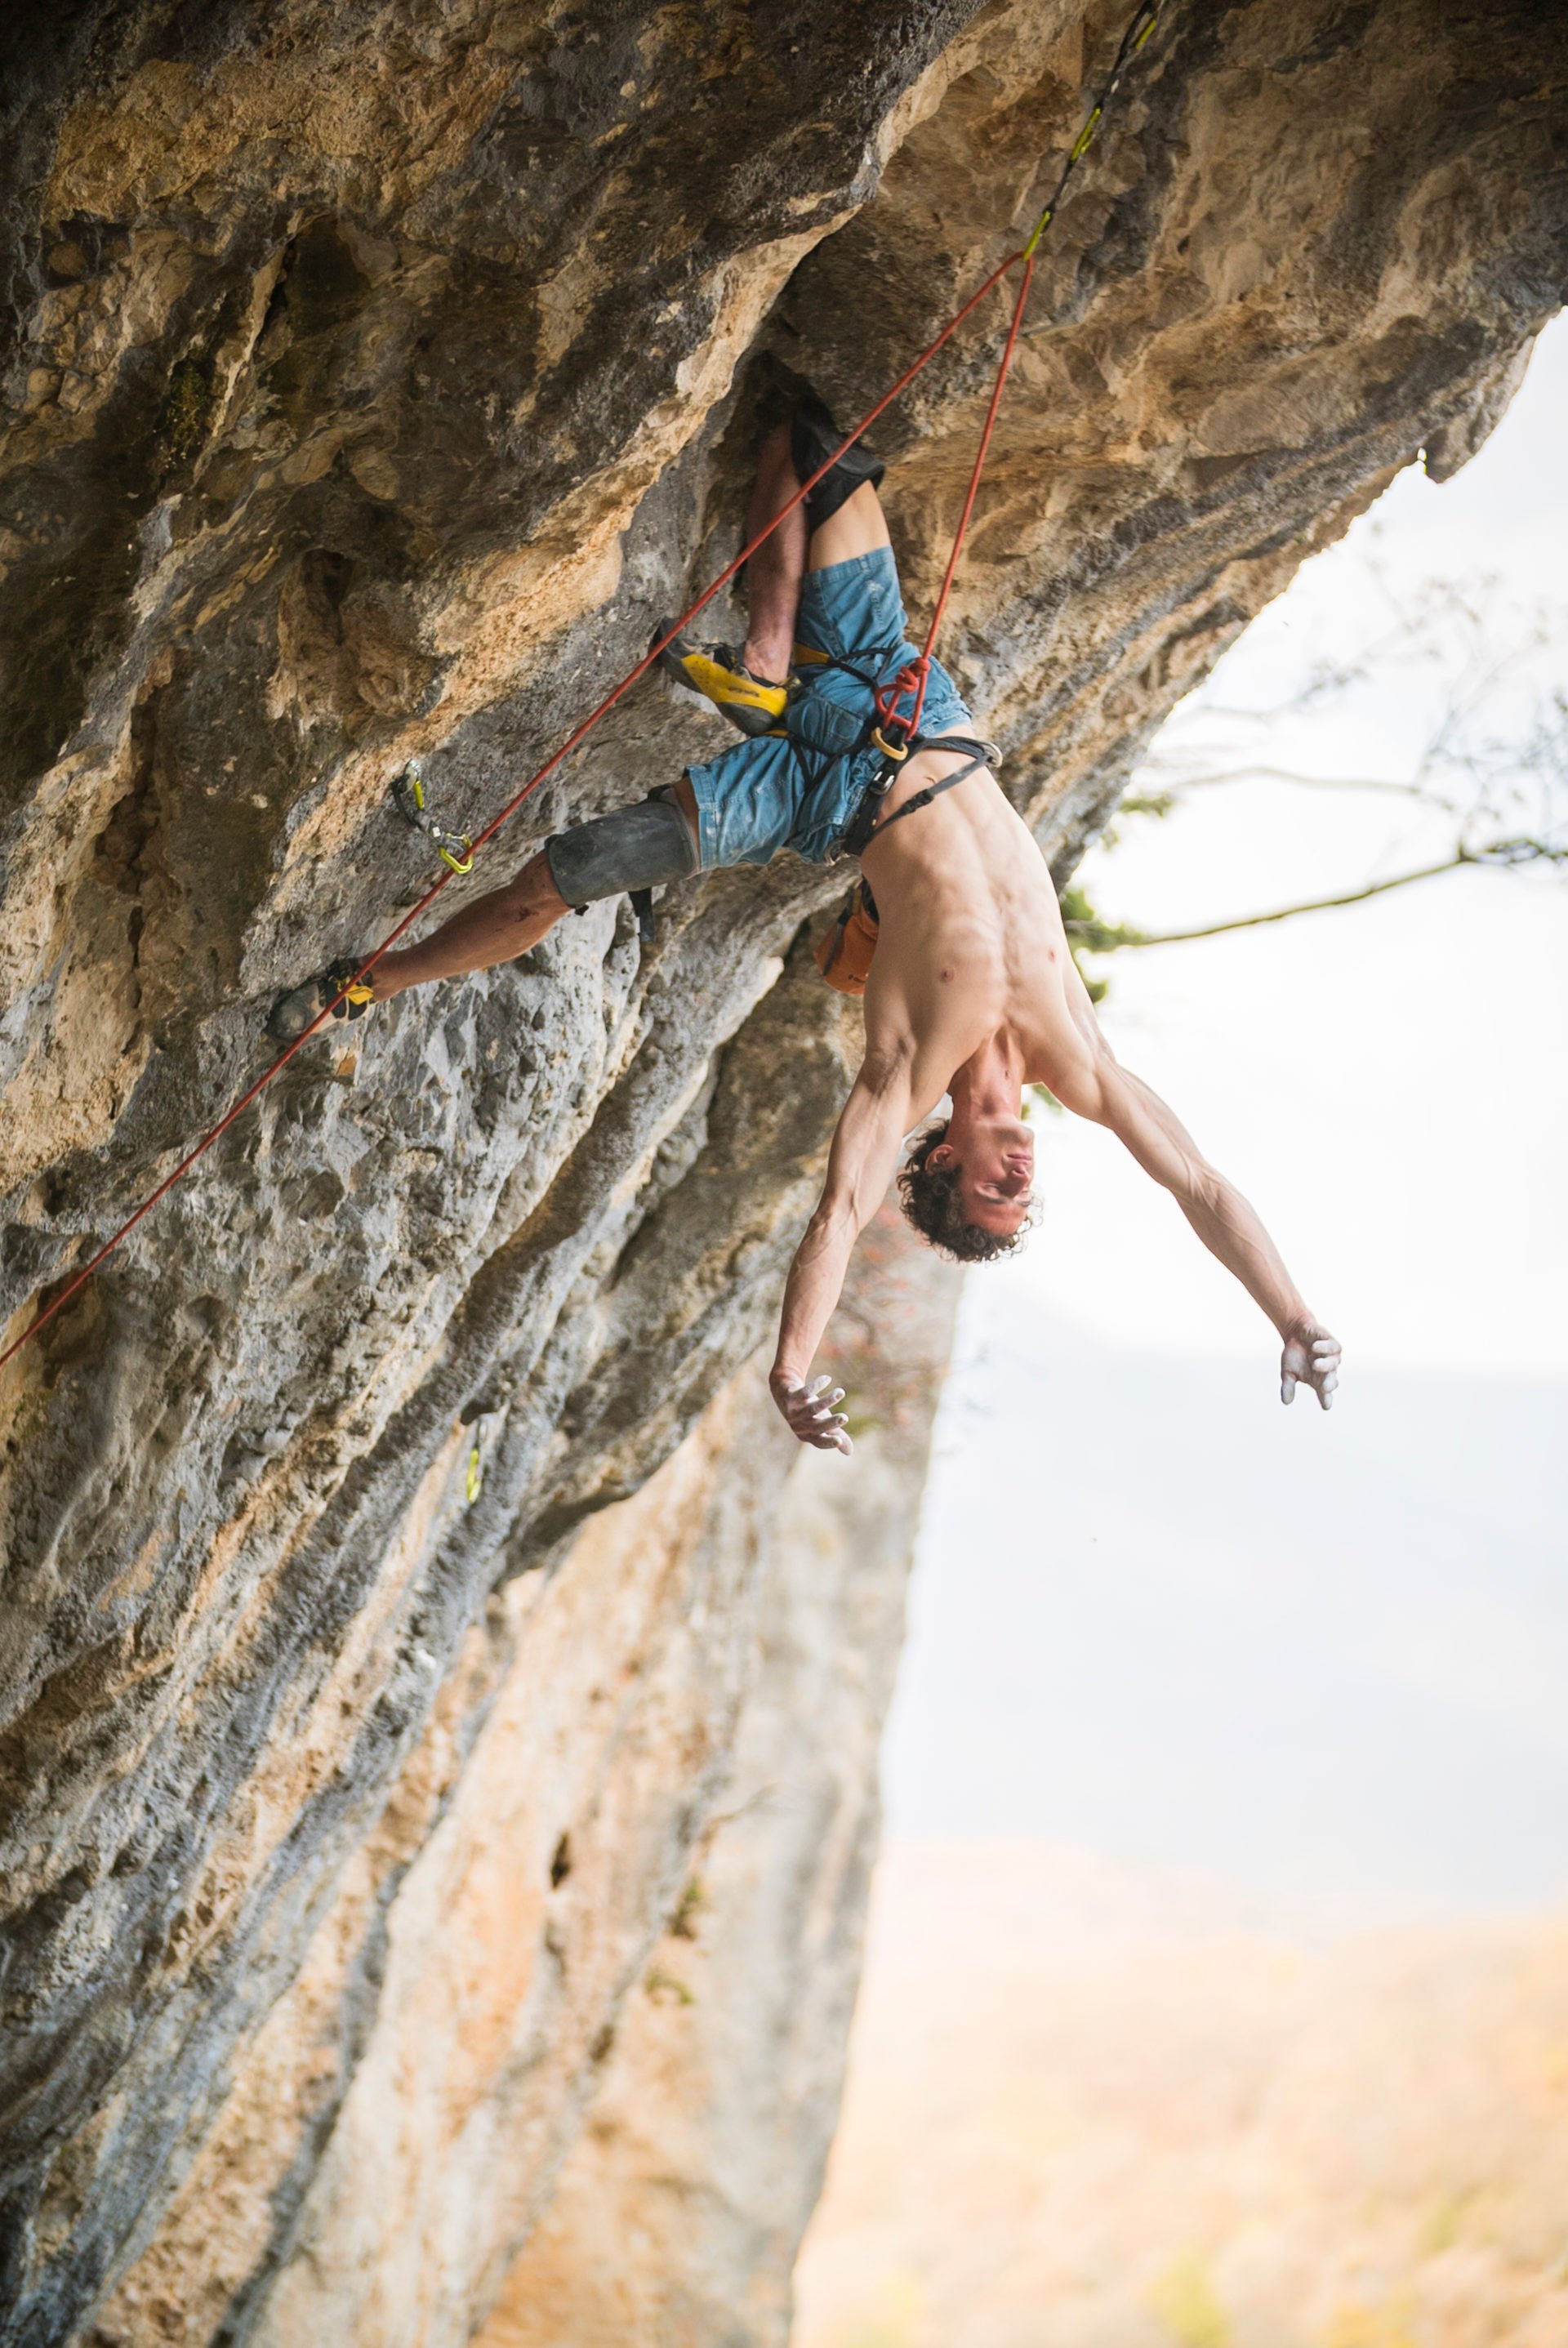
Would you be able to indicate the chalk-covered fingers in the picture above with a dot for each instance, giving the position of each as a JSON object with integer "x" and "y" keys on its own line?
{"x": 1310, "y": 1358}
{"x": 813, "y": 1414}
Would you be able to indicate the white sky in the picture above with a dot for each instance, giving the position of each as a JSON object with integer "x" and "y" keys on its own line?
{"x": 1386, "y": 1082}
{"x": 1154, "y": 1613}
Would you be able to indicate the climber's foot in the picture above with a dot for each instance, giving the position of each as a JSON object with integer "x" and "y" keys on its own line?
{"x": 754, "y": 704}
{"x": 339, "y": 985}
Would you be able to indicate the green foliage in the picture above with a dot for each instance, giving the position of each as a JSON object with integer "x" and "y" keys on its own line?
{"x": 1089, "y": 932}
{"x": 658, "y": 1983}
{"x": 187, "y": 406}
{"x": 693, "y": 1900}
{"x": 1155, "y": 803}
{"x": 1187, "y": 2305}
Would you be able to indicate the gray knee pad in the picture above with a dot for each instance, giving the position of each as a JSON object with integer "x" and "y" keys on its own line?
{"x": 638, "y": 846}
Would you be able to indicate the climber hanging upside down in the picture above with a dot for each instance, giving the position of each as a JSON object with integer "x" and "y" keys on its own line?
{"x": 971, "y": 991}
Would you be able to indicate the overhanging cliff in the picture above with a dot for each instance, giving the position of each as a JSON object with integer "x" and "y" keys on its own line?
{"x": 376, "y": 374}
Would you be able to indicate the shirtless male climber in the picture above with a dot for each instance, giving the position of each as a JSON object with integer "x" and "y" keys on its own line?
{"x": 972, "y": 992}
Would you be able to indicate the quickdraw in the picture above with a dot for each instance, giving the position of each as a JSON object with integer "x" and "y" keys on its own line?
{"x": 454, "y": 848}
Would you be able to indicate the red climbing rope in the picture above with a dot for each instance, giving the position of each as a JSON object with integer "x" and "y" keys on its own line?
{"x": 912, "y": 679}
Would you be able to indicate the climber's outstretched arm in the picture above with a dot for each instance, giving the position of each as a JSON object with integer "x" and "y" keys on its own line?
{"x": 1227, "y": 1224}
{"x": 1100, "y": 1088}
{"x": 860, "y": 1165}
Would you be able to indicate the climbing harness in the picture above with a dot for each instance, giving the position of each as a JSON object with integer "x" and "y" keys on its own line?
{"x": 867, "y": 821}
{"x": 895, "y": 736}
{"x": 845, "y": 953}
{"x": 985, "y": 754}
{"x": 454, "y": 848}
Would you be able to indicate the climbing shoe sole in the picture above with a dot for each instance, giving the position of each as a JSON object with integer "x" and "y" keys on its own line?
{"x": 719, "y": 675}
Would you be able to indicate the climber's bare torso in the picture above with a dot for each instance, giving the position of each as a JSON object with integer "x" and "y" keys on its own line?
{"x": 970, "y": 944}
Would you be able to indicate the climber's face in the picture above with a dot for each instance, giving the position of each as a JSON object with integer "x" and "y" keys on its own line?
{"x": 994, "y": 1160}
{"x": 966, "y": 1185}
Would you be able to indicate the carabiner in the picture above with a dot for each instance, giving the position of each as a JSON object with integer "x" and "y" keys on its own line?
{"x": 454, "y": 848}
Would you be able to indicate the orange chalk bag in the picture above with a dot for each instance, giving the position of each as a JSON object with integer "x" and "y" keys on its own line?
{"x": 844, "y": 953}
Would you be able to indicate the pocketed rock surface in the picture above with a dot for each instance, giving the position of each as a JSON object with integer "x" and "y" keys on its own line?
{"x": 375, "y": 375}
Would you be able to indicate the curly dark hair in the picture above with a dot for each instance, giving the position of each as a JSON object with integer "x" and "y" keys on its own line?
{"x": 929, "y": 1196}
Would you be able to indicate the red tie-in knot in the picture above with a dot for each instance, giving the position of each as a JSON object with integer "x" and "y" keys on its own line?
{"x": 910, "y": 680}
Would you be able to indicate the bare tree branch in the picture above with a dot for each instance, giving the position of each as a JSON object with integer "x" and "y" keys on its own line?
{"x": 1100, "y": 936}
{"x": 1106, "y": 937}
{"x": 1501, "y": 784}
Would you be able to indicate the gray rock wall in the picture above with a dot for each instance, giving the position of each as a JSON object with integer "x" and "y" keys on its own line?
{"x": 375, "y": 375}
{"x": 617, "y": 1925}
{"x": 678, "y": 2213}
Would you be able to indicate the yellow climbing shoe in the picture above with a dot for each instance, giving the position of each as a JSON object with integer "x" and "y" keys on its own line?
{"x": 754, "y": 704}
{"x": 339, "y": 987}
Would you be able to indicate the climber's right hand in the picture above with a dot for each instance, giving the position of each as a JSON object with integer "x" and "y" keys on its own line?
{"x": 1310, "y": 1359}
{"x": 812, "y": 1412}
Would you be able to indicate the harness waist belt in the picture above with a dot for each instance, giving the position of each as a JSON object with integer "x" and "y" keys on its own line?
{"x": 863, "y": 827}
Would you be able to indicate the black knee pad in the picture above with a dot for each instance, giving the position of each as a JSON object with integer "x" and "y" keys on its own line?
{"x": 639, "y": 847}
{"x": 813, "y": 437}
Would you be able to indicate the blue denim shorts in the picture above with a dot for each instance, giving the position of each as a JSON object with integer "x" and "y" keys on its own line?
{"x": 766, "y": 793}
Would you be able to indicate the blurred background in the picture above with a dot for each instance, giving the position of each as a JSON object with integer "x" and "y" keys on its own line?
{"x": 1218, "y": 1983}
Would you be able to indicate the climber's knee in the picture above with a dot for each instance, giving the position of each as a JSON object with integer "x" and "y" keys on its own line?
{"x": 684, "y": 798}
{"x": 814, "y": 437}
{"x": 533, "y": 891}
{"x": 640, "y": 847}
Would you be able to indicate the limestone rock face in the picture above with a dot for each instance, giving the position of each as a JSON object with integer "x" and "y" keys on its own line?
{"x": 376, "y": 374}
{"x": 678, "y": 1737}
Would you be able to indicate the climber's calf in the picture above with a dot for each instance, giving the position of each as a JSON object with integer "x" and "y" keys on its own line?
{"x": 633, "y": 849}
